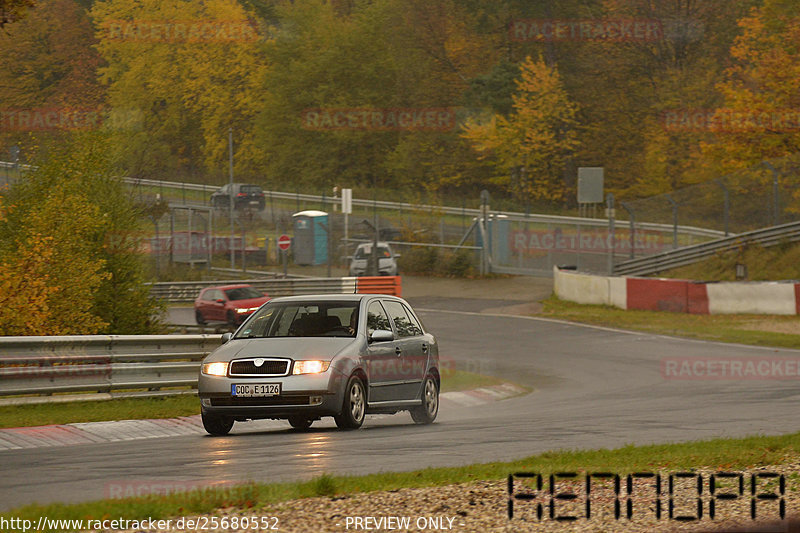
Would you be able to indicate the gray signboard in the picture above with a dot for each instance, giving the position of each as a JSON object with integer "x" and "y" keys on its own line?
{"x": 590, "y": 185}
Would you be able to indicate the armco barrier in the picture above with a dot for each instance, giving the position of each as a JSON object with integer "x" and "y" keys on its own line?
{"x": 680, "y": 296}
{"x": 101, "y": 363}
{"x": 187, "y": 291}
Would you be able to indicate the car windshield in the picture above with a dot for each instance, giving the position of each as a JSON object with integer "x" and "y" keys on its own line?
{"x": 364, "y": 252}
{"x": 302, "y": 319}
{"x": 251, "y": 189}
{"x": 243, "y": 293}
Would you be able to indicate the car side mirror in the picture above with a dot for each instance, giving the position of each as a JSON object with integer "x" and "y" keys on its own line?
{"x": 220, "y": 301}
{"x": 226, "y": 337}
{"x": 381, "y": 335}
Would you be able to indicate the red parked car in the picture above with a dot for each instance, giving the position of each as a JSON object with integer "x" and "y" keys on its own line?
{"x": 228, "y": 303}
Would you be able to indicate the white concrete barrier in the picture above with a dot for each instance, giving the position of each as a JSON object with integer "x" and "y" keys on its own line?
{"x": 582, "y": 288}
{"x": 757, "y": 298}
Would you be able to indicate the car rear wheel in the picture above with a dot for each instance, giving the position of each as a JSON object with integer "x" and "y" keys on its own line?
{"x": 426, "y": 413}
{"x": 198, "y": 316}
{"x": 216, "y": 425}
{"x": 299, "y": 422}
{"x": 354, "y": 406}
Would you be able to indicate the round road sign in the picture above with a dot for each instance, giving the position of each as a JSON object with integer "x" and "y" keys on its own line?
{"x": 284, "y": 242}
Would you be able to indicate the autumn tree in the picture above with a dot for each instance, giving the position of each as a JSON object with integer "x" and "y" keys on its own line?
{"x": 69, "y": 231}
{"x": 758, "y": 120}
{"x": 47, "y": 268}
{"x": 536, "y": 137}
{"x": 190, "y": 71}
{"x": 13, "y": 10}
{"x": 49, "y": 65}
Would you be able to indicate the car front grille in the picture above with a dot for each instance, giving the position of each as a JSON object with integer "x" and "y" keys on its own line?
{"x": 269, "y": 367}
{"x": 232, "y": 401}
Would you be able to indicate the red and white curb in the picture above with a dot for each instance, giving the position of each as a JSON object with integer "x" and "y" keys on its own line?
{"x": 482, "y": 395}
{"x": 127, "y": 430}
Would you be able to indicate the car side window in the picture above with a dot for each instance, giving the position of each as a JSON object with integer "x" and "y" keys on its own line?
{"x": 400, "y": 318}
{"x": 376, "y": 318}
{"x": 415, "y": 325}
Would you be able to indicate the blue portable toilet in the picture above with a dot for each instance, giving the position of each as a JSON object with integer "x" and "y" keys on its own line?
{"x": 310, "y": 246}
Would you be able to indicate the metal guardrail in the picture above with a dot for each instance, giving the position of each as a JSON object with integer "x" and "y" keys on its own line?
{"x": 400, "y": 206}
{"x": 692, "y": 254}
{"x": 187, "y": 291}
{"x": 445, "y": 210}
{"x": 102, "y": 363}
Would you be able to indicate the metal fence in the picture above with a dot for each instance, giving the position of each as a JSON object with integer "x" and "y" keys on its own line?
{"x": 148, "y": 364}
{"x": 764, "y": 195}
{"x": 516, "y": 243}
{"x": 187, "y": 291}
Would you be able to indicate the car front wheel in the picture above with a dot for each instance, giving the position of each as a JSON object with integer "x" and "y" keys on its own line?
{"x": 426, "y": 413}
{"x": 354, "y": 406}
{"x": 216, "y": 425}
{"x": 299, "y": 422}
{"x": 198, "y": 316}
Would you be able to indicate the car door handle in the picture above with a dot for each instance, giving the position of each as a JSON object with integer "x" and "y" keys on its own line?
{"x": 398, "y": 351}
{"x": 424, "y": 347}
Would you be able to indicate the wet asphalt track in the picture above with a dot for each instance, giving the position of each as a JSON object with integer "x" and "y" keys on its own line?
{"x": 593, "y": 388}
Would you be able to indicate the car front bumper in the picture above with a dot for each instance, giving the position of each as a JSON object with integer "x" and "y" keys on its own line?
{"x": 311, "y": 395}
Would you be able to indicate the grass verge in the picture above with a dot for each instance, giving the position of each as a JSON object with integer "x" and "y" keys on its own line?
{"x": 759, "y": 330}
{"x": 164, "y": 407}
{"x": 718, "y": 454}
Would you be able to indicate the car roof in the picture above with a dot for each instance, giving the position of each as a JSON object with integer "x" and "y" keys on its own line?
{"x": 329, "y": 298}
{"x": 380, "y": 243}
{"x": 226, "y": 287}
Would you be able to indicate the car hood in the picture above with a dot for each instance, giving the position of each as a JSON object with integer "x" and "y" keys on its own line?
{"x": 250, "y": 302}
{"x": 322, "y": 348}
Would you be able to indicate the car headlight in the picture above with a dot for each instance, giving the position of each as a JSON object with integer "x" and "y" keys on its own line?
{"x": 242, "y": 310}
{"x": 310, "y": 367}
{"x": 215, "y": 369}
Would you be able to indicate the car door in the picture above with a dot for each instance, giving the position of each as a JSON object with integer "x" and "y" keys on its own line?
{"x": 217, "y": 309}
{"x": 382, "y": 358}
{"x": 205, "y": 305}
{"x": 413, "y": 350}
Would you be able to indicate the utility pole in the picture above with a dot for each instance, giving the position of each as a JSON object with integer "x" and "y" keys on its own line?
{"x": 230, "y": 191}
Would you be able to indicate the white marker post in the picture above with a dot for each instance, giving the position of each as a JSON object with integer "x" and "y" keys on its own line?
{"x": 347, "y": 209}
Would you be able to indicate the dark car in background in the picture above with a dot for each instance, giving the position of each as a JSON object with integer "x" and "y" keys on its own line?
{"x": 301, "y": 358}
{"x": 244, "y": 196}
{"x": 228, "y": 303}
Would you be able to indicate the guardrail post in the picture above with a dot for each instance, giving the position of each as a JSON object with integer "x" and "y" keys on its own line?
{"x": 674, "y": 221}
{"x": 632, "y": 216}
{"x": 776, "y": 217}
{"x": 611, "y": 238}
{"x": 726, "y": 204}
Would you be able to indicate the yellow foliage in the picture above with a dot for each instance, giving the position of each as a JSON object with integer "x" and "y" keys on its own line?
{"x": 538, "y": 135}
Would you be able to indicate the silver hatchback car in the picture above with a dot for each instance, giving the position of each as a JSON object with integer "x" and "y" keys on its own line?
{"x": 304, "y": 357}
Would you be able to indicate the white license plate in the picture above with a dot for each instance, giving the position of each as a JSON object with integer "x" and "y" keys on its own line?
{"x": 255, "y": 390}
